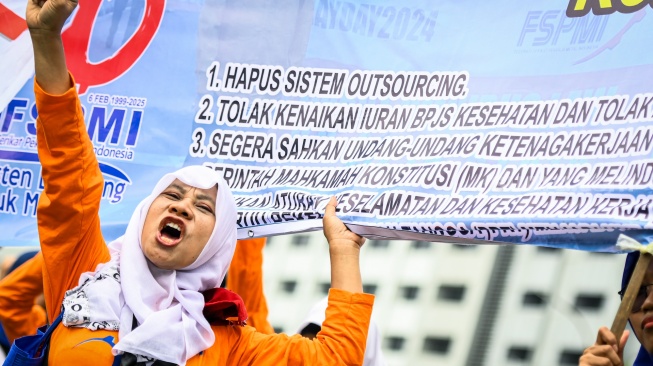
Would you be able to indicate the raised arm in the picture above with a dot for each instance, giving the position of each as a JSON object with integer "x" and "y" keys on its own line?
{"x": 344, "y": 250}
{"x": 67, "y": 214}
{"x": 344, "y": 331}
{"x": 45, "y": 19}
{"x": 340, "y": 342}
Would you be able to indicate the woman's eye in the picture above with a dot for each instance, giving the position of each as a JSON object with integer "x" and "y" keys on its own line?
{"x": 171, "y": 195}
{"x": 205, "y": 208}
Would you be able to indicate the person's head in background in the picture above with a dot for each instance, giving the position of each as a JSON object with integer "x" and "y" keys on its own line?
{"x": 641, "y": 316}
{"x": 310, "y": 330}
{"x": 312, "y": 325}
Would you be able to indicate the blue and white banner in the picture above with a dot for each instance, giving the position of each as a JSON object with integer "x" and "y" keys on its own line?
{"x": 524, "y": 122}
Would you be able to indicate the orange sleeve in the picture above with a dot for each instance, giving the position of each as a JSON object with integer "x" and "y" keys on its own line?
{"x": 340, "y": 342}
{"x": 18, "y": 291}
{"x": 245, "y": 277}
{"x": 67, "y": 213}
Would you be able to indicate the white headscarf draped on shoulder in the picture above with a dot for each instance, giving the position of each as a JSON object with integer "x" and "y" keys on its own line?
{"x": 166, "y": 303}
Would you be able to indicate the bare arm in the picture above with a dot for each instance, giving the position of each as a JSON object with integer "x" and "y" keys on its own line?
{"x": 67, "y": 213}
{"x": 45, "y": 20}
{"x": 344, "y": 249}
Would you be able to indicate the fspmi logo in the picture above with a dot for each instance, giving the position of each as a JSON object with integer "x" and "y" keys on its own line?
{"x": 553, "y": 28}
{"x": 114, "y": 131}
{"x": 580, "y": 8}
{"x": 113, "y": 126}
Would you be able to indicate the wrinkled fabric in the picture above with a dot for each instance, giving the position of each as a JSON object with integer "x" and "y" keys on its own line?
{"x": 167, "y": 303}
{"x": 72, "y": 244}
{"x": 245, "y": 277}
{"x": 18, "y": 291}
{"x": 224, "y": 307}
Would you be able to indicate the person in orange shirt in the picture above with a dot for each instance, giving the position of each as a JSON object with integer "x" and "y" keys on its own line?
{"x": 140, "y": 298}
{"x": 245, "y": 277}
{"x": 20, "y": 311}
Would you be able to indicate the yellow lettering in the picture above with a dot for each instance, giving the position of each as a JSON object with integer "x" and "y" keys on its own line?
{"x": 581, "y": 4}
{"x": 630, "y": 3}
{"x": 580, "y": 8}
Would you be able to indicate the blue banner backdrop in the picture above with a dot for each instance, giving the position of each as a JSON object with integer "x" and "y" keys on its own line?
{"x": 437, "y": 120}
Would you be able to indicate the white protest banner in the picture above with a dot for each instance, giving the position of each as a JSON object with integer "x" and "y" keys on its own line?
{"x": 525, "y": 122}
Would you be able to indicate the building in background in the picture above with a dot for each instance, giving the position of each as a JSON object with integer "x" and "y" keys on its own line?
{"x": 442, "y": 304}
{"x": 457, "y": 305}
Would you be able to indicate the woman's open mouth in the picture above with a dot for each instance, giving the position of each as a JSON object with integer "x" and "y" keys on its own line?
{"x": 171, "y": 231}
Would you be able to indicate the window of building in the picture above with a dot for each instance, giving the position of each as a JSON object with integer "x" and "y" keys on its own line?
{"x": 421, "y": 244}
{"x": 548, "y": 250}
{"x": 288, "y": 286}
{"x": 380, "y": 244}
{"x": 300, "y": 240}
{"x": 569, "y": 357}
{"x": 463, "y": 246}
{"x": 409, "y": 292}
{"x": 394, "y": 343}
{"x": 454, "y": 293}
{"x": 600, "y": 254}
{"x": 324, "y": 287}
{"x": 519, "y": 353}
{"x": 436, "y": 345}
{"x": 592, "y": 302}
{"x": 534, "y": 299}
{"x": 369, "y": 288}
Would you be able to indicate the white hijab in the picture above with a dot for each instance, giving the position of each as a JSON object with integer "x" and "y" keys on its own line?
{"x": 373, "y": 353}
{"x": 167, "y": 304}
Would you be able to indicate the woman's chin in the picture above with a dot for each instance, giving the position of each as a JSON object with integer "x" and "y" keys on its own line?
{"x": 159, "y": 261}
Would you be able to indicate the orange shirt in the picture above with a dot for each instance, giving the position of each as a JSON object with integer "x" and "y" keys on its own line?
{"x": 72, "y": 243}
{"x": 18, "y": 291}
{"x": 245, "y": 277}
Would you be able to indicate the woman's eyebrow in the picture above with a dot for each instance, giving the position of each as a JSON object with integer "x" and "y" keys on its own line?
{"x": 177, "y": 187}
{"x": 199, "y": 196}
{"x": 205, "y": 197}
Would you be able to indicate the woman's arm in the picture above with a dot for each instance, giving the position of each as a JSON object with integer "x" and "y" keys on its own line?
{"x": 340, "y": 342}
{"x": 344, "y": 250}
{"x": 344, "y": 331}
{"x": 67, "y": 213}
{"x": 245, "y": 275}
{"x": 45, "y": 20}
{"x": 18, "y": 292}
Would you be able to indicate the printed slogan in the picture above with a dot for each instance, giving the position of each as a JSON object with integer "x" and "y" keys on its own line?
{"x": 407, "y": 150}
{"x": 519, "y": 122}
